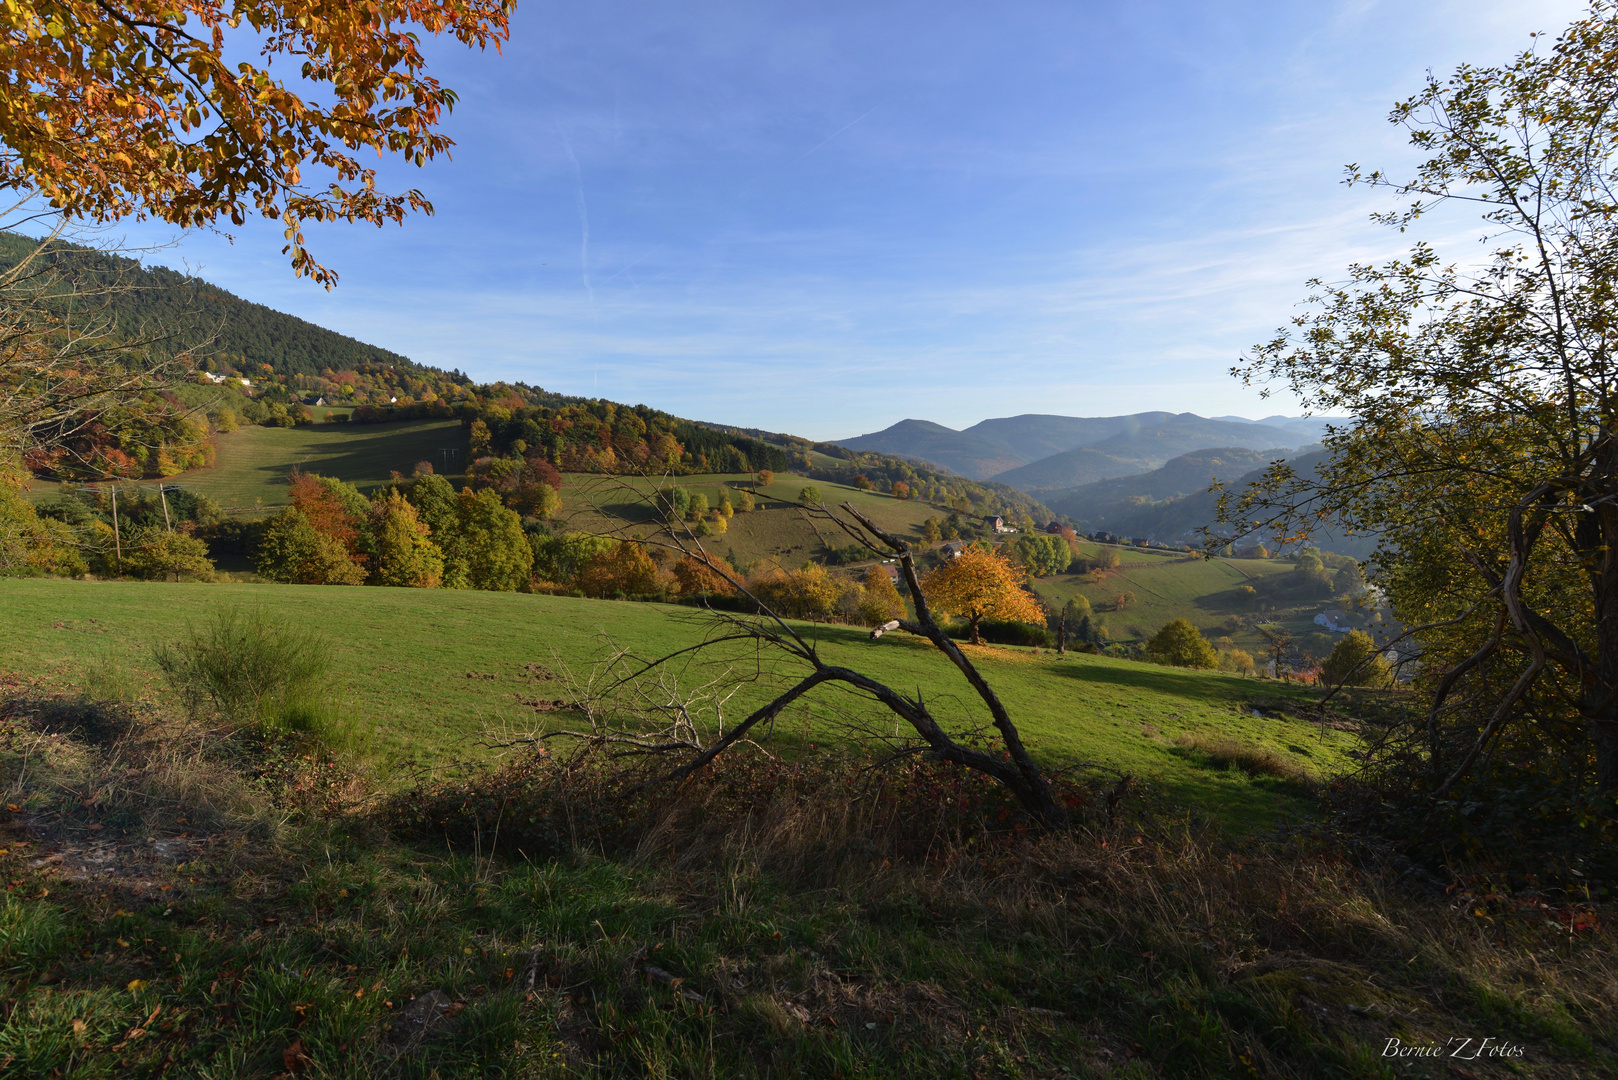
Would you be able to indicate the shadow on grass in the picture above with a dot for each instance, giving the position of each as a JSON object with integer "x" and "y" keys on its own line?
{"x": 1167, "y": 680}
{"x": 366, "y": 454}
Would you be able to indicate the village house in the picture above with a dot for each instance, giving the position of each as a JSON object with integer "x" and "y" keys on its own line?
{"x": 1334, "y": 620}
{"x": 997, "y": 523}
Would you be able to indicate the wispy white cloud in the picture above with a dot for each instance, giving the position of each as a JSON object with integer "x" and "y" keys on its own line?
{"x": 1056, "y": 208}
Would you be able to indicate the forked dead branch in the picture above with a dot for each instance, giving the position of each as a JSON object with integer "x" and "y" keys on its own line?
{"x": 770, "y": 632}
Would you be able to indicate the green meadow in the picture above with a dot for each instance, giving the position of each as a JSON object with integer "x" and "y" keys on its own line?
{"x": 253, "y": 462}
{"x": 427, "y": 675}
{"x": 776, "y": 530}
{"x": 1168, "y": 586}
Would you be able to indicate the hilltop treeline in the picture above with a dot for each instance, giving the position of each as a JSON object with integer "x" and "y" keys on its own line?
{"x": 273, "y": 365}
{"x": 245, "y": 336}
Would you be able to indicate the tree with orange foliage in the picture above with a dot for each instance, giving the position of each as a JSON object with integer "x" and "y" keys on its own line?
{"x": 334, "y": 509}
{"x": 625, "y": 569}
{"x": 698, "y": 578}
{"x": 980, "y": 585}
{"x": 901, "y": 490}
{"x": 148, "y": 108}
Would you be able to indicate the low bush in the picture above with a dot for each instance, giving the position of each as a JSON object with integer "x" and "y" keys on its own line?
{"x": 1253, "y": 760}
{"x": 252, "y": 668}
{"x": 1005, "y": 632}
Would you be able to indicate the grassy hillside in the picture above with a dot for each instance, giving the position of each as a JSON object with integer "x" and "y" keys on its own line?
{"x": 253, "y": 462}
{"x": 1177, "y": 586}
{"x": 775, "y": 530}
{"x": 428, "y": 671}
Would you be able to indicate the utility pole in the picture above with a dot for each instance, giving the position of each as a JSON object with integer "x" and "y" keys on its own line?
{"x": 161, "y": 495}
{"x": 117, "y": 544}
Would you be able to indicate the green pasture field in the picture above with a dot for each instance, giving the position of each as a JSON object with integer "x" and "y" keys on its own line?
{"x": 776, "y": 530}
{"x": 254, "y": 462}
{"x": 1200, "y": 590}
{"x": 251, "y": 470}
{"x": 428, "y": 672}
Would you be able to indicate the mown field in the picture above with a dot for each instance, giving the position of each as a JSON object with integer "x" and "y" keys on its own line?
{"x": 1172, "y": 586}
{"x": 426, "y": 674}
{"x": 775, "y": 530}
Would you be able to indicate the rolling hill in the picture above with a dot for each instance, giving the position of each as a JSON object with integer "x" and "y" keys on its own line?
{"x": 192, "y": 310}
{"x": 1097, "y": 502}
{"x": 958, "y": 451}
{"x": 1143, "y": 506}
{"x": 1145, "y": 448}
{"x": 1038, "y": 453}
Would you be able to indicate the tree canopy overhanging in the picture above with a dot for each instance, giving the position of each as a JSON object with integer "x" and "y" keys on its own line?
{"x": 118, "y": 108}
{"x": 1484, "y": 450}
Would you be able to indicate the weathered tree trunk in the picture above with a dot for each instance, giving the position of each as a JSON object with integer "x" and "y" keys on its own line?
{"x": 1597, "y": 535}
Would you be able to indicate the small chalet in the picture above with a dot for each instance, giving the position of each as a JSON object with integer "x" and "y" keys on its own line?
{"x": 951, "y": 550}
{"x": 1334, "y": 620}
{"x": 997, "y": 523}
{"x": 1054, "y": 527}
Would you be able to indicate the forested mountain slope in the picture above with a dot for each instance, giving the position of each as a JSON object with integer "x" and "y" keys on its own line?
{"x": 245, "y": 334}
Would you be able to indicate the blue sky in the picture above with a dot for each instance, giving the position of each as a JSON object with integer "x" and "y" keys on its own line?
{"x": 823, "y": 218}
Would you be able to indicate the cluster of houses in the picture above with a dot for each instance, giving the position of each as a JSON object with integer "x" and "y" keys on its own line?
{"x": 217, "y": 378}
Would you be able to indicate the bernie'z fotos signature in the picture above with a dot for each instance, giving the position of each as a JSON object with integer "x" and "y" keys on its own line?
{"x": 1462, "y": 1048}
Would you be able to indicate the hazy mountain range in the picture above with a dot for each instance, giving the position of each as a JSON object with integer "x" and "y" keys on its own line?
{"x": 1173, "y": 504}
{"x": 1046, "y": 454}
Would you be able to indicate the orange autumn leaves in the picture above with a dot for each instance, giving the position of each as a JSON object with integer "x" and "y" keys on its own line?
{"x": 981, "y": 584}
{"x": 115, "y": 108}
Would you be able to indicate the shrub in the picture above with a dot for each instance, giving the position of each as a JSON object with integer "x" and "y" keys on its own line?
{"x": 1355, "y": 662}
{"x": 291, "y": 550}
{"x": 1182, "y": 645}
{"x": 251, "y": 668}
{"x": 1076, "y": 610}
{"x": 810, "y": 495}
{"x": 170, "y": 553}
{"x": 1238, "y": 661}
{"x": 807, "y": 593}
{"x": 405, "y": 552}
{"x": 1005, "y": 632}
{"x": 1224, "y": 753}
{"x": 674, "y": 501}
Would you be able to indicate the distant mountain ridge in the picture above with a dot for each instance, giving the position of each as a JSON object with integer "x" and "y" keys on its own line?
{"x": 1099, "y": 503}
{"x": 1038, "y": 452}
{"x": 1173, "y": 504}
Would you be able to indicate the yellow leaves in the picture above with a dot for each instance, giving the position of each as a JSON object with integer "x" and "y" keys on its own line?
{"x": 88, "y": 95}
{"x": 981, "y": 584}
{"x": 136, "y": 985}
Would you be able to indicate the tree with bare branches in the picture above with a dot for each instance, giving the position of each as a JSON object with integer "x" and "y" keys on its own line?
{"x": 769, "y": 633}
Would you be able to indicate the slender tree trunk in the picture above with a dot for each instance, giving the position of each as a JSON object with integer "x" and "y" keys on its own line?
{"x": 974, "y": 635}
{"x": 117, "y": 543}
